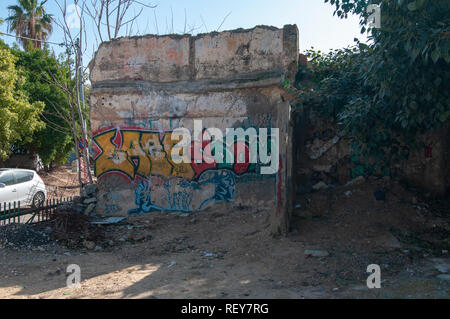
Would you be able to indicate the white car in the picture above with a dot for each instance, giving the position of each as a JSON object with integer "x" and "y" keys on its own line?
{"x": 22, "y": 185}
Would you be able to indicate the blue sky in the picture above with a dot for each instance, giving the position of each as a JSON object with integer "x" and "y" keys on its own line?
{"x": 317, "y": 25}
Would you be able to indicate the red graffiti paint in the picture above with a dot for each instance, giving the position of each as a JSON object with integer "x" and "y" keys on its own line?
{"x": 117, "y": 141}
{"x": 197, "y": 150}
{"x": 240, "y": 168}
{"x": 116, "y": 173}
{"x": 200, "y": 152}
{"x": 96, "y": 149}
{"x": 124, "y": 176}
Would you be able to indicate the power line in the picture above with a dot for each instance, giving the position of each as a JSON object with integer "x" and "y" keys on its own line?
{"x": 31, "y": 39}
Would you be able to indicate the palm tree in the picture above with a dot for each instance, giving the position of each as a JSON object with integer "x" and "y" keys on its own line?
{"x": 29, "y": 20}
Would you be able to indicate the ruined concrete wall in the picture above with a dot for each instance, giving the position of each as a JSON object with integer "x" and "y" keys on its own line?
{"x": 323, "y": 158}
{"x": 429, "y": 168}
{"x": 143, "y": 88}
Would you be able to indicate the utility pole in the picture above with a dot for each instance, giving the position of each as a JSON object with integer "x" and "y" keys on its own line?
{"x": 80, "y": 98}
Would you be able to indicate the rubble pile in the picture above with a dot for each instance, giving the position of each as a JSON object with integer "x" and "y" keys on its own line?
{"x": 84, "y": 204}
{"x": 74, "y": 230}
{"x": 71, "y": 223}
{"x": 19, "y": 236}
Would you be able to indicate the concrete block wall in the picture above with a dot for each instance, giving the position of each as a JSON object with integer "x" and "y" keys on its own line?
{"x": 323, "y": 157}
{"x": 143, "y": 88}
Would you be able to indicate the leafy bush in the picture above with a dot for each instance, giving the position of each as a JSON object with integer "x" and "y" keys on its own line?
{"x": 38, "y": 67}
{"x": 19, "y": 119}
{"x": 386, "y": 93}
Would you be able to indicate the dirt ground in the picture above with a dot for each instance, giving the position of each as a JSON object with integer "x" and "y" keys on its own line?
{"x": 227, "y": 252}
{"x": 60, "y": 182}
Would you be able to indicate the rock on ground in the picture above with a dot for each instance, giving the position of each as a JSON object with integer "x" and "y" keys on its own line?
{"x": 22, "y": 236}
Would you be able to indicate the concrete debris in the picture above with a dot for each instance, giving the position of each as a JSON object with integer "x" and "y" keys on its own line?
{"x": 22, "y": 236}
{"x": 77, "y": 208}
{"x": 110, "y": 220}
{"x": 356, "y": 181}
{"x": 390, "y": 241}
{"x": 90, "y": 200}
{"x": 319, "y": 186}
{"x": 444, "y": 277}
{"x": 89, "y": 190}
{"x": 84, "y": 204}
{"x": 88, "y": 244}
{"x": 318, "y": 148}
{"x": 89, "y": 209}
{"x": 441, "y": 265}
{"x": 316, "y": 253}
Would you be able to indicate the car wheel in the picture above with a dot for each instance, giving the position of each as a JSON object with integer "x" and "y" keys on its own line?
{"x": 38, "y": 199}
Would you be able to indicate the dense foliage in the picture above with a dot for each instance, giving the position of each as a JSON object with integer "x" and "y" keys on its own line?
{"x": 19, "y": 119}
{"x": 386, "y": 93}
{"x": 55, "y": 141}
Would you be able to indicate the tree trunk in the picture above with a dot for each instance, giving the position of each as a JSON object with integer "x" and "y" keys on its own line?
{"x": 80, "y": 100}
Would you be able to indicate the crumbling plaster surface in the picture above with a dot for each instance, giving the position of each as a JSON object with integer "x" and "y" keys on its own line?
{"x": 145, "y": 87}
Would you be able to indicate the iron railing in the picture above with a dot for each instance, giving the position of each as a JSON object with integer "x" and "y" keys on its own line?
{"x": 13, "y": 213}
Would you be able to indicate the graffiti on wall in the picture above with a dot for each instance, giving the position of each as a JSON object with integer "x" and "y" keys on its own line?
{"x": 184, "y": 196}
{"x": 143, "y": 158}
{"x": 112, "y": 203}
{"x": 136, "y": 152}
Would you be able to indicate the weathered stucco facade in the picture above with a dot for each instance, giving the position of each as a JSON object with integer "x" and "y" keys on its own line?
{"x": 145, "y": 88}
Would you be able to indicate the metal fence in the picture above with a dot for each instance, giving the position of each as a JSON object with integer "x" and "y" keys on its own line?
{"x": 13, "y": 213}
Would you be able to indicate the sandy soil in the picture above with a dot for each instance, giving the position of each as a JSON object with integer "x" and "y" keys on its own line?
{"x": 61, "y": 182}
{"x": 227, "y": 252}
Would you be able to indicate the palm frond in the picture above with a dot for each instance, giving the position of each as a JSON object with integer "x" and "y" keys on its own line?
{"x": 29, "y": 19}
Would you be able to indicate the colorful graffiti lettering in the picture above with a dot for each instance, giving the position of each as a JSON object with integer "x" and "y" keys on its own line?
{"x": 137, "y": 152}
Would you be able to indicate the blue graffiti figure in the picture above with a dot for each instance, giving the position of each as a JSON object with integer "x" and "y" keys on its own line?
{"x": 224, "y": 187}
{"x": 143, "y": 199}
{"x": 224, "y": 190}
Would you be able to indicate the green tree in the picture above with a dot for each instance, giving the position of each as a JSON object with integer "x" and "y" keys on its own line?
{"x": 54, "y": 142}
{"x": 29, "y": 20}
{"x": 19, "y": 119}
{"x": 386, "y": 93}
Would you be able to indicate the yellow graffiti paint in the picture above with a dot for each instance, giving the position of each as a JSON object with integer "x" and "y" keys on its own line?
{"x": 111, "y": 158}
{"x": 136, "y": 155}
{"x": 158, "y": 158}
{"x": 182, "y": 169}
{"x": 140, "y": 153}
